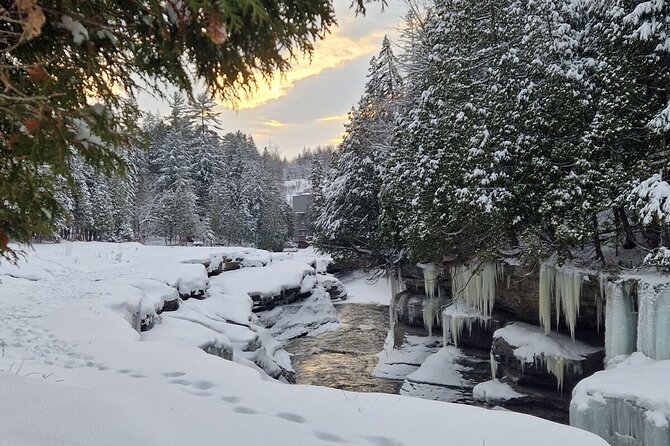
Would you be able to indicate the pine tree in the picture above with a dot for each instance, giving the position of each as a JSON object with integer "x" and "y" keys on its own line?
{"x": 349, "y": 217}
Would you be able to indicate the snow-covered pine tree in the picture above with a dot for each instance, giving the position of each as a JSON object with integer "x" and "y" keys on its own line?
{"x": 348, "y": 223}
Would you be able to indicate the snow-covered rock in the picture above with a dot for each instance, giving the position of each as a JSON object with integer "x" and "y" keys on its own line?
{"x": 526, "y": 353}
{"x": 495, "y": 392}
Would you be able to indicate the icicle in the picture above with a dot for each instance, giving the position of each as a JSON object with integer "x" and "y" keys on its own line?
{"x": 445, "y": 329}
{"x": 477, "y": 287}
{"x": 653, "y": 331}
{"x": 431, "y": 308}
{"x": 620, "y": 327}
{"x": 557, "y": 366}
{"x": 566, "y": 288}
{"x": 494, "y": 366}
{"x": 547, "y": 280}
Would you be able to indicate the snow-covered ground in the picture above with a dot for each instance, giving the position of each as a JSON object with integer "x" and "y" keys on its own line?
{"x": 75, "y": 370}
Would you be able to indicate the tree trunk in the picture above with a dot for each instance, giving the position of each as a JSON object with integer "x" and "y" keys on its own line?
{"x": 630, "y": 241}
{"x": 596, "y": 238}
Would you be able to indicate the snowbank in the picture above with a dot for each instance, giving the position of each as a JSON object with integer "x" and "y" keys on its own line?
{"x": 361, "y": 290}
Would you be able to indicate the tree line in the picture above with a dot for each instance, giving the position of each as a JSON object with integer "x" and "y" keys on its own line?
{"x": 188, "y": 183}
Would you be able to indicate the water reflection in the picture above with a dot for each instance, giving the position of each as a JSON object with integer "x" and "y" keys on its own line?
{"x": 344, "y": 359}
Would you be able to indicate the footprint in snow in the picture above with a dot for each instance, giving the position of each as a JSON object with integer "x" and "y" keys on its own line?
{"x": 244, "y": 410}
{"x": 173, "y": 374}
{"x": 325, "y": 436}
{"x": 230, "y": 399}
{"x": 137, "y": 375}
{"x": 291, "y": 417}
{"x": 383, "y": 441}
{"x": 198, "y": 392}
{"x": 202, "y": 385}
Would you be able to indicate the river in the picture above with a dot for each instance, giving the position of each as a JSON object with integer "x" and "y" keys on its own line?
{"x": 344, "y": 359}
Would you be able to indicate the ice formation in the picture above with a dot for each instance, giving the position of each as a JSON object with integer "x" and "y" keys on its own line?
{"x": 565, "y": 286}
{"x": 476, "y": 286}
{"x": 431, "y": 312}
{"x": 619, "y": 320}
{"x": 494, "y": 366}
{"x": 547, "y": 280}
{"x": 653, "y": 328}
{"x": 430, "y": 273}
{"x": 627, "y": 404}
{"x": 432, "y": 304}
{"x": 457, "y": 316}
{"x": 473, "y": 295}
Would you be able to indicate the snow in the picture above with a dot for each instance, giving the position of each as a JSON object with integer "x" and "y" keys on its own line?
{"x": 398, "y": 363}
{"x": 74, "y": 371}
{"x": 276, "y": 277}
{"x": 441, "y": 369}
{"x": 314, "y": 316}
{"x": 495, "y": 391}
{"x": 78, "y": 31}
{"x": 362, "y": 290}
{"x": 628, "y": 403}
{"x": 555, "y": 351}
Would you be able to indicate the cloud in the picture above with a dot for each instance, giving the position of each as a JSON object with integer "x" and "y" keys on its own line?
{"x": 273, "y": 123}
{"x": 335, "y": 118}
{"x": 334, "y": 51}
{"x": 336, "y": 141}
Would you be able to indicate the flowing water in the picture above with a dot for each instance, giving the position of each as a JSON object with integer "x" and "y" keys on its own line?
{"x": 344, "y": 359}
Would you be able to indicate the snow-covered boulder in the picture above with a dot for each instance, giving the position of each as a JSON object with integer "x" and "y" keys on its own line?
{"x": 182, "y": 331}
{"x": 527, "y": 355}
{"x": 495, "y": 392}
{"x": 332, "y": 285}
{"x": 440, "y": 377}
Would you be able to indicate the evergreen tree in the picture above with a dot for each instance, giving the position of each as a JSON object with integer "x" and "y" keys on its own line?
{"x": 349, "y": 217}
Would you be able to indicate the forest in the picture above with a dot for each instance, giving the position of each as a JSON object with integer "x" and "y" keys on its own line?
{"x": 530, "y": 130}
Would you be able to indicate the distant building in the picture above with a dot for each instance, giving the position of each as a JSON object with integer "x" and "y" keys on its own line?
{"x": 301, "y": 204}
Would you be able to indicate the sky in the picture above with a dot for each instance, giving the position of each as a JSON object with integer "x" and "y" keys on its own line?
{"x": 308, "y": 106}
